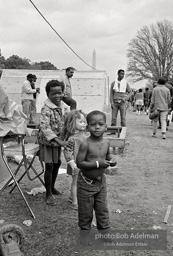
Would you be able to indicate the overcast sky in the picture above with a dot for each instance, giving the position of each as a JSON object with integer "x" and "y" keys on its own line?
{"x": 104, "y": 25}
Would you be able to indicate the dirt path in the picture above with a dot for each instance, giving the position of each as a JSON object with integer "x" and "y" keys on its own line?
{"x": 141, "y": 190}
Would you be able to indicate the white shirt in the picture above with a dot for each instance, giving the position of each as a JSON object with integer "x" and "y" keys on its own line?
{"x": 27, "y": 91}
{"x": 67, "y": 84}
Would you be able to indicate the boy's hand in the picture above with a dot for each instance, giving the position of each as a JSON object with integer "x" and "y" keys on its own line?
{"x": 113, "y": 161}
{"x": 104, "y": 163}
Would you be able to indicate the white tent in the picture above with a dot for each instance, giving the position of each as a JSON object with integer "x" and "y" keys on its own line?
{"x": 89, "y": 88}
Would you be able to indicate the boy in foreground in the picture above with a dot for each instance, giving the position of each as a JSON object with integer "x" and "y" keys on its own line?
{"x": 93, "y": 158}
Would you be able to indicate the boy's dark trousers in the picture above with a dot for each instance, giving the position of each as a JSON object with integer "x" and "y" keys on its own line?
{"x": 92, "y": 197}
{"x": 70, "y": 102}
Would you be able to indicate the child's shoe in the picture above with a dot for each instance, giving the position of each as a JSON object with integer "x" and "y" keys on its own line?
{"x": 153, "y": 135}
{"x": 164, "y": 136}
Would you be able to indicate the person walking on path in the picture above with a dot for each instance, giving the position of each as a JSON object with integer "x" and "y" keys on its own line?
{"x": 147, "y": 99}
{"x": 27, "y": 97}
{"x": 169, "y": 86}
{"x": 120, "y": 92}
{"x": 139, "y": 101}
{"x": 67, "y": 99}
{"x": 161, "y": 101}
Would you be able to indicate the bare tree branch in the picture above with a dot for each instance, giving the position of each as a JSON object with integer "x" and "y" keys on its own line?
{"x": 150, "y": 54}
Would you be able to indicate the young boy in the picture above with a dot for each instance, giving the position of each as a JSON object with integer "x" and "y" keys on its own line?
{"x": 93, "y": 158}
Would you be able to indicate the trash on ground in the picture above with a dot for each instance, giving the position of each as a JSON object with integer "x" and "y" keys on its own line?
{"x": 27, "y": 223}
{"x": 39, "y": 253}
{"x": 18, "y": 159}
{"x": 156, "y": 227}
{"x": 36, "y": 190}
{"x": 117, "y": 211}
{"x": 167, "y": 214}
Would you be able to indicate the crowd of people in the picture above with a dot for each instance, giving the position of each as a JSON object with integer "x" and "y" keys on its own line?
{"x": 86, "y": 151}
{"x": 159, "y": 97}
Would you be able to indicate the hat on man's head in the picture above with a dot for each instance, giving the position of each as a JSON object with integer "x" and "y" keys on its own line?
{"x": 29, "y": 76}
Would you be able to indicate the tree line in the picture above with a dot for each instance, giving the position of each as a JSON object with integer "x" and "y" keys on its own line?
{"x": 16, "y": 62}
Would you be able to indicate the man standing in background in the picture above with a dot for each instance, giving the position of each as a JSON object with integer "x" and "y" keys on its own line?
{"x": 33, "y": 104}
{"x": 67, "y": 99}
{"x": 27, "y": 97}
{"x": 120, "y": 92}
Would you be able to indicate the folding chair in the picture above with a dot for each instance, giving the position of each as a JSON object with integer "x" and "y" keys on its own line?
{"x": 20, "y": 149}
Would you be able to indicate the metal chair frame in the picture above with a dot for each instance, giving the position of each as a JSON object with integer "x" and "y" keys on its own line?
{"x": 28, "y": 164}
